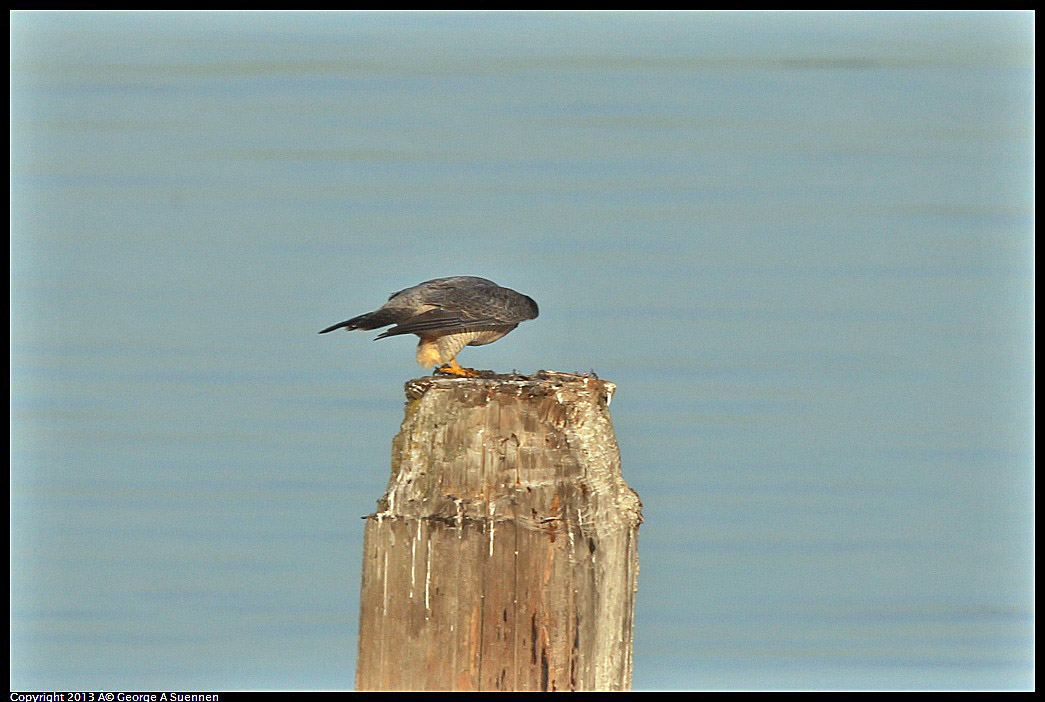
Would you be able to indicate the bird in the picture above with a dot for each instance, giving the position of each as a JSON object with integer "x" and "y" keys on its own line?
{"x": 448, "y": 314}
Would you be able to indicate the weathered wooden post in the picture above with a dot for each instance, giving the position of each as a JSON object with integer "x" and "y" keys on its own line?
{"x": 503, "y": 554}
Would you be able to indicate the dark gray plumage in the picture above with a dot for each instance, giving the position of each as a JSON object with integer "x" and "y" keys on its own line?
{"x": 448, "y": 314}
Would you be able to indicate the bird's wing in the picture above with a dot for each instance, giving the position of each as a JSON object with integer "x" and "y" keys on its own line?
{"x": 479, "y": 299}
{"x": 440, "y": 321}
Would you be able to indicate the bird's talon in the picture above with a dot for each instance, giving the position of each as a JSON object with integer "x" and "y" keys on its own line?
{"x": 453, "y": 368}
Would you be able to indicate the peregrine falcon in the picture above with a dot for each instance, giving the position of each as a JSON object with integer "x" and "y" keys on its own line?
{"x": 448, "y": 314}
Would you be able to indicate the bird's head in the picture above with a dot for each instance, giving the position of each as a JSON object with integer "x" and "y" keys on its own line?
{"x": 533, "y": 307}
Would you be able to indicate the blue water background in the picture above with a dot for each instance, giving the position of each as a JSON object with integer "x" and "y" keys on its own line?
{"x": 800, "y": 244}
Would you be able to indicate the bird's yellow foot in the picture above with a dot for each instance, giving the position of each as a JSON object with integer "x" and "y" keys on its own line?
{"x": 452, "y": 368}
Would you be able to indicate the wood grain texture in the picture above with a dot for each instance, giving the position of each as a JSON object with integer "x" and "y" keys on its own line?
{"x": 503, "y": 553}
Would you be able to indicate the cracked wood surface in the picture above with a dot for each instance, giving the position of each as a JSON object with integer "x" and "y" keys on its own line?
{"x": 503, "y": 553}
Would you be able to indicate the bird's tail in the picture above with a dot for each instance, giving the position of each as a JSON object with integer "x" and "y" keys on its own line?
{"x": 370, "y": 320}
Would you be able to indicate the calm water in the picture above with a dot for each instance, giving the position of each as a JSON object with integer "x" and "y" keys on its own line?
{"x": 801, "y": 245}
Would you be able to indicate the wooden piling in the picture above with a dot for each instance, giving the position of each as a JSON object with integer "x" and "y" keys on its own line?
{"x": 503, "y": 554}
